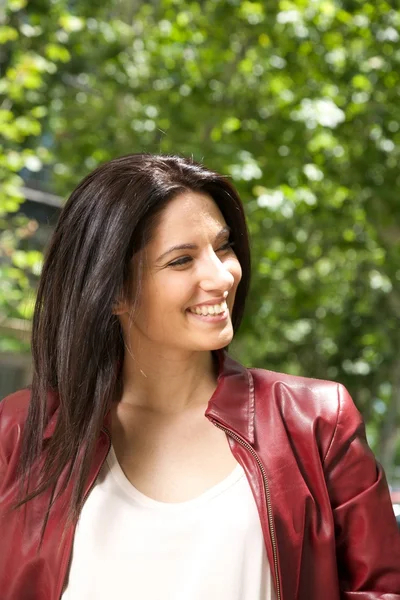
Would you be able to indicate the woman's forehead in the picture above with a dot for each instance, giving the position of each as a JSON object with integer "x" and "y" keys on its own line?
{"x": 190, "y": 213}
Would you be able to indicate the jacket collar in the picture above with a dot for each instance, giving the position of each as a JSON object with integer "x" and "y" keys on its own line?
{"x": 231, "y": 405}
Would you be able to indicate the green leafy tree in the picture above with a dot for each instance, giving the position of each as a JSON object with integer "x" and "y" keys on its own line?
{"x": 296, "y": 101}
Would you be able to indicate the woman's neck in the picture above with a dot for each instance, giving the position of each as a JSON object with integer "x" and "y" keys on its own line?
{"x": 167, "y": 382}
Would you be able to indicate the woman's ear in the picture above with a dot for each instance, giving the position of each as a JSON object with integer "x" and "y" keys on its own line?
{"x": 120, "y": 306}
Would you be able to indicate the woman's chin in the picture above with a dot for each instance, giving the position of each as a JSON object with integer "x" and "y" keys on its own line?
{"x": 218, "y": 341}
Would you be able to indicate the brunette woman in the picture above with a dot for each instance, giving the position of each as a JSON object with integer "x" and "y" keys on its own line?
{"x": 144, "y": 462}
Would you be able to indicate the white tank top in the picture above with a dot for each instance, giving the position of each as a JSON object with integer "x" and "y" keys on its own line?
{"x": 128, "y": 546}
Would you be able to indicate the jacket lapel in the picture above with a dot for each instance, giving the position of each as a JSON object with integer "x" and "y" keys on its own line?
{"x": 232, "y": 403}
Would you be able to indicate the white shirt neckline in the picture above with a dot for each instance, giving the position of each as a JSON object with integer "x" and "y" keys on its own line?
{"x": 138, "y": 497}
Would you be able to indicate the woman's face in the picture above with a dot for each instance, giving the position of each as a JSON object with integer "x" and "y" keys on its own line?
{"x": 190, "y": 278}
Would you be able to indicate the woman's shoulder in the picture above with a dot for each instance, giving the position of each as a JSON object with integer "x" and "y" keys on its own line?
{"x": 292, "y": 394}
{"x": 307, "y": 409}
{"x": 298, "y": 383}
{"x": 14, "y": 411}
{"x": 318, "y": 398}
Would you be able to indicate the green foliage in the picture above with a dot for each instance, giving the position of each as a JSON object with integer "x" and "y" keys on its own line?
{"x": 296, "y": 101}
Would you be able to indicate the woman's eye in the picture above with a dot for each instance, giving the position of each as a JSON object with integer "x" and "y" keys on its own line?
{"x": 181, "y": 261}
{"x": 227, "y": 246}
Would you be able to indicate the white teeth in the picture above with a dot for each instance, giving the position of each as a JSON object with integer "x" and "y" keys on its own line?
{"x": 210, "y": 309}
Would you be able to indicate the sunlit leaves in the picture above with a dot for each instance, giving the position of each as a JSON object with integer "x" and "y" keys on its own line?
{"x": 7, "y": 34}
{"x": 56, "y": 52}
{"x": 15, "y": 5}
{"x": 296, "y": 101}
{"x": 71, "y": 23}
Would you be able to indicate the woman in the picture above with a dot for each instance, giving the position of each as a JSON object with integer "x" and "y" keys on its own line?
{"x": 144, "y": 462}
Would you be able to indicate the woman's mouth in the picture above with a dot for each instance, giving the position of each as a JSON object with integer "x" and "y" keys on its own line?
{"x": 210, "y": 312}
{"x": 209, "y": 309}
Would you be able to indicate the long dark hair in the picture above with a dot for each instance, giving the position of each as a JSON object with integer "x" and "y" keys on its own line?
{"x": 77, "y": 341}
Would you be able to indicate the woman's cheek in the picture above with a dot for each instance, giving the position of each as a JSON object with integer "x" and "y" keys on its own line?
{"x": 236, "y": 270}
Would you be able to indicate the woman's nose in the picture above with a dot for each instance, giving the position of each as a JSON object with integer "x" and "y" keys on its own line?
{"x": 215, "y": 275}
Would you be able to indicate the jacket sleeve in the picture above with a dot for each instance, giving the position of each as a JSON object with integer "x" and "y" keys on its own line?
{"x": 367, "y": 537}
{"x": 3, "y": 461}
{"x": 9, "y": 445}
{"x": 13, "y": 410}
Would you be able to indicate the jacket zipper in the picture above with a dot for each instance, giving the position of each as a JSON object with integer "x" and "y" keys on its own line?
{"x": 268, "y": 499}
{"x": 84, "y": 500}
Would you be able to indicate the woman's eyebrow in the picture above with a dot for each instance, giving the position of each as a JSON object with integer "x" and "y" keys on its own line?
{"x": 222, "y": 233}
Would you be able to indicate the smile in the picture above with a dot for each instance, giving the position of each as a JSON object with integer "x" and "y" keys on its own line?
{"x": 210, "y": 309}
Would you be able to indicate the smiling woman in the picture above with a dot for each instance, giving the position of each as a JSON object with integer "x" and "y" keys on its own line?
{"x": 144, "y": 461}
{"x": 191, "y": 283}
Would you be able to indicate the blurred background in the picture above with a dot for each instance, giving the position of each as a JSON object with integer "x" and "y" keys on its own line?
{"x": 298, "y": 102}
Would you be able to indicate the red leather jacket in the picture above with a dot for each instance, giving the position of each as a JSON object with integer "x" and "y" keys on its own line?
{"x": 324, "y": 505}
